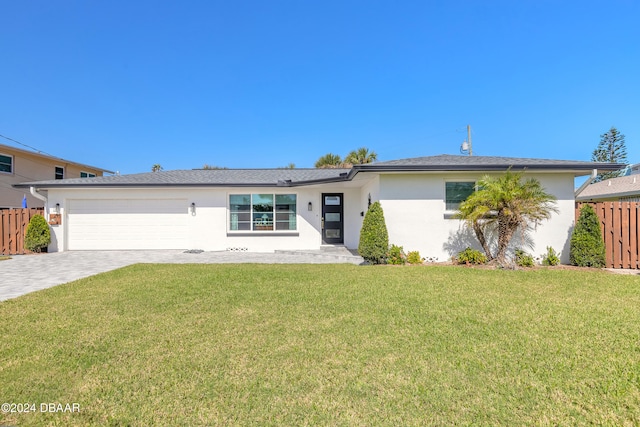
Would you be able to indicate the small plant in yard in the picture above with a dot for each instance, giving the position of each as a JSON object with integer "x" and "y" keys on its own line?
{"x": 38, "y": 235}
{"x": 414, "y": 257}
{"x": 523, "y": 259}
{"x": 374, "y": 238}
{"x": 4, "y": 257}
{"x": 551, "y": 257}
{"x": 471, "y": 256}
{"x": 587, "y": 245}
{"x": 396, "y": 255}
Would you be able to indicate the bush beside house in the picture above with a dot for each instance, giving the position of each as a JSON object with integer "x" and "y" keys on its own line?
{"x": 471, "y": 256}
{"x": 523, "y": 259}
{"x": 374, "y": 237}
{"x": 587, "y": 244}
{"x": 37, "y": 236}
{"x": 414, "y": 257}
{"x": 396, "y": 255}
{"x": 551, "y": 258}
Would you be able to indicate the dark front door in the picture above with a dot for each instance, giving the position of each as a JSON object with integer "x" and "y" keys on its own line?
{"x": 332, "y": 218}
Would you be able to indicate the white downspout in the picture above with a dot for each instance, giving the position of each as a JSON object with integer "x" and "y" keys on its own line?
{"x": 594, "y": 174}
{"x": 37, "y": 195}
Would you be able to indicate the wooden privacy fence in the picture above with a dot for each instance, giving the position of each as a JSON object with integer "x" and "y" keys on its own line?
{"x": 619, "y": 222}
{"x": 13, "y": 226}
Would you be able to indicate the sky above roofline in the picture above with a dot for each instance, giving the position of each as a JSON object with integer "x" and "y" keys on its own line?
{"x": 126, "y": 85}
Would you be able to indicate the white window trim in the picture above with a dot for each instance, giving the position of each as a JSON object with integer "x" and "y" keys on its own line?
{"x": 273, "y": 232}
{"x": 13, "y": 163}
{"x": 89, "y": 174}
{"x": 64, "y": 171}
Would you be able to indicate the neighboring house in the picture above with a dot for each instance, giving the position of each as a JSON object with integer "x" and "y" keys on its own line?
{"x": 620, "y": 189}
{"x": 264, "y": 210}
{"x": 18, "y": 165}
{"x": 632, "y": 169}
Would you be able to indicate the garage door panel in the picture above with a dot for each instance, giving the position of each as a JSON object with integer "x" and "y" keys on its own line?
{"x": 127, "y": 224}
{"x": 131, "y": 207}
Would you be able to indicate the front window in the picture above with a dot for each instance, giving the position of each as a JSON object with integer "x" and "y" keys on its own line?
{"x": 262, "y": 212}
{"x": 6, "y": 163}
{"x": 87, "y": 175}
{"x": 456, "y": 193}
{"x": 59, "y": 172}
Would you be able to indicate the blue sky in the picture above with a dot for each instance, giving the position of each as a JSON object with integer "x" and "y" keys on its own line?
{"x": 126, "y": 84}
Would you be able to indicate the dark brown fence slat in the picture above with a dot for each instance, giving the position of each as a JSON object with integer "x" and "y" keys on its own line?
{"x": 13, "y": 226}
{"x": 633, "y": 234}
{"x": 609, "y": 238}
{"x": 13, "y": 231}
{"x": 617, "y": 233}
{"x": 624, "y": 222}
{"x": 619, "y": 222}
{"x": 4, "y": 220}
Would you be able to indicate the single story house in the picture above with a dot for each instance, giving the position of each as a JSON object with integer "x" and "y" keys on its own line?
{"x": 264, "y": 210}
{"x": 620, "y": 189}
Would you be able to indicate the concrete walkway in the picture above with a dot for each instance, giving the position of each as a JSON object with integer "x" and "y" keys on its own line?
{"x": 27, "y": 273}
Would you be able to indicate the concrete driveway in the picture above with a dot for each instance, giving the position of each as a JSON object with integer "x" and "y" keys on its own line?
{"x": 28, "y": 273}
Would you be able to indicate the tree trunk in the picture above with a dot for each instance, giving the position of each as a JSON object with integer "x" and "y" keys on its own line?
{"x": 506, "y": 229}
{"x": 477, "y": 228}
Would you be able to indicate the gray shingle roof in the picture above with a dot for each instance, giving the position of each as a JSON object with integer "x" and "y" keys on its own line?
{"x": 459, "y": 162}
{"x": 204, "y": 177}
{"x": 615, "y": 187}
{"x": 297, "y": 177}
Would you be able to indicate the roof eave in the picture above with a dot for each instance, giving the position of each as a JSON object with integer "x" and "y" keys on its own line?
{"x": 495, "y": 167}
{"x": 607, "y": 195}
{"x": 145, "y": 185}
{"x": 179, "y": 185}
{"x": 345, "y": 176}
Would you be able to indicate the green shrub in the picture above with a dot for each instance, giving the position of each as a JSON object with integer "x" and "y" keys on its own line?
{"x": 471, "y": 256}
{"x": 374, "y": 238}
{"x": 587, "y": 245}
{"x": 38, "y": 235}
{"x": 551, "y": 257}
{"x": 523, "y": 259}
{"x": 396, "y": 255}
{"x": 414, "y": 257}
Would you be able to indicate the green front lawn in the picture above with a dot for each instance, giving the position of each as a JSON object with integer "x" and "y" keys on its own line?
{"x": 326, "y": 345}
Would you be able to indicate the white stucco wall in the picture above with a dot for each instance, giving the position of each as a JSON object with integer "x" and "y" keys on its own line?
{"x": 413, "y": 205}
{"x": 414, "y": 210}
{"x": 208, "y": 226}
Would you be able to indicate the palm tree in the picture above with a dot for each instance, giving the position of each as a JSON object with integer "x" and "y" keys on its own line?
{"x": 506, "y": 203}
{"x": 207, "y": 166}
{"x": 329, "y": 161}
{"x": 361, "y": 156}
{"x": 156, "y": 168}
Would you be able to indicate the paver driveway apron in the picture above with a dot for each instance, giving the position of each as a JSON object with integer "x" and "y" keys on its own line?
{"x": 27, "y": 273}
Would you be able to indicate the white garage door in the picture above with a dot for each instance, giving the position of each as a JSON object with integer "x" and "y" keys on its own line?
{"x": 127, "y": 224}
